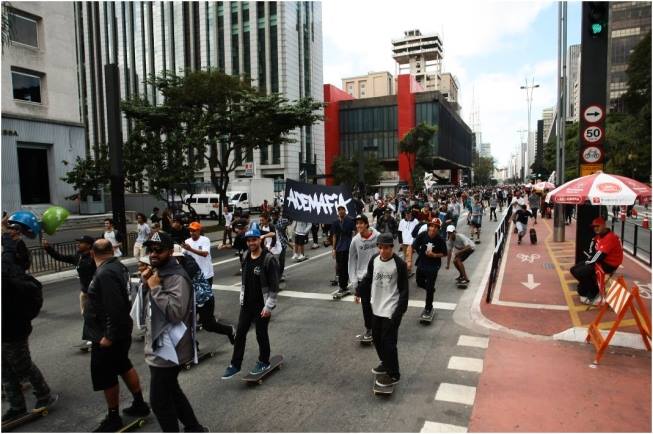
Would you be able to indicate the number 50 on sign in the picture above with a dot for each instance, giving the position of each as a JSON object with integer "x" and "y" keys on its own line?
{"x": 593, "y": 134}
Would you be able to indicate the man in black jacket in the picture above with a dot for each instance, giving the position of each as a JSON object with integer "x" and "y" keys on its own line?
{"x": 108, "y": 325}
{"x": 21, "y": 301}
{"x": 385, "y": 286}
{"x": 83, "y": 262}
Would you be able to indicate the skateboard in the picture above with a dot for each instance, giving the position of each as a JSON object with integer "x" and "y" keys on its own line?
{"x": 201, "y": 356}
{"x": 133, "y": 425}
{"x": 29, "y": 416}
{"x": 382, "y": 390}
{"x": 305, "y": 258}
{"x": 363, "y": 341}
{"x": 275, "y": 362}
{"x": 83, "y": 347}
{"x": 428, "y": 320}
{"x": 338, "y": 296}
{"x": 462, "y": 285}
{"x": 533, "y": 235}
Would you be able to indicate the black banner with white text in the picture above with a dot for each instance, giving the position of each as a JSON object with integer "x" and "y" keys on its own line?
{"x": 315, "y": 203}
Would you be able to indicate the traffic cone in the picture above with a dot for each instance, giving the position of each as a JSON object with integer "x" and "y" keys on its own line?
{"x": 645, "y": 222}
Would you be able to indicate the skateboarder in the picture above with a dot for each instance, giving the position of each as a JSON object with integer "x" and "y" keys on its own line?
{"x": 386, "y": 287}
{"x": 465, "y": 248}
{"x": 108, "y": 325}
{"x": 342, "y": 231}
{"x": 21, "y": 302}
{"x": 170, "y": 334}
{"x": 521, "y": 221}
{"x": 83, "y": 261}
{"x": 430, "y": 248}
{"x": 361, "y": 250}
{"x": 258, "y": 296}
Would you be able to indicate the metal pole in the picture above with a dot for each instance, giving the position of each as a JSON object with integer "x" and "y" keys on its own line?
{"x": 559, "y": 209}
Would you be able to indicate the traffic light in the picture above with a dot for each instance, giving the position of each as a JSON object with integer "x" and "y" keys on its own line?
{"x": 598, "y": 18}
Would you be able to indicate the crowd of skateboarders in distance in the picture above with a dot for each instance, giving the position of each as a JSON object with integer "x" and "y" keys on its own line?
{"x": 175, "y": 295}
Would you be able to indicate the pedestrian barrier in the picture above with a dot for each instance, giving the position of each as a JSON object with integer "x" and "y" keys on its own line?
{"x": 635, "y": 239}
{"x": 43, "y": 263}
{"x": 621, "y": 301}
{"x": 499, "y": 244}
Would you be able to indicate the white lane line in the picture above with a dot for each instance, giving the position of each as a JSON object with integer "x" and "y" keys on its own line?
{"x": 321, "y": 296}
{"x": 310, "y": 258}
{"x": 225, "y": 261}
{"x": 456, "y": 393}
{"x": 469, "y": 364}
{"x": 531, "y": 305}
{"x": 435, "y": 427}
{"x": 473, "y": 341}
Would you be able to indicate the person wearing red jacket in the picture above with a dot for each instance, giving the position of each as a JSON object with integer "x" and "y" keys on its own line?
{"x": 606, "y": 249}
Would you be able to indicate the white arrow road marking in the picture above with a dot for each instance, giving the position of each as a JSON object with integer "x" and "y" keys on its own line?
{"x": 531, "y": 283}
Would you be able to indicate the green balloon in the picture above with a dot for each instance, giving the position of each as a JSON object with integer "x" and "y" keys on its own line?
{"x": 53, "y": 217}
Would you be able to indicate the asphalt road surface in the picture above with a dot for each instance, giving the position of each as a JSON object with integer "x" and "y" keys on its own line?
{"x": 325, "y": 383}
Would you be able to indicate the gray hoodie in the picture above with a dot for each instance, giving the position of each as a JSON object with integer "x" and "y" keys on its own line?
{"x": 360, "y": 252}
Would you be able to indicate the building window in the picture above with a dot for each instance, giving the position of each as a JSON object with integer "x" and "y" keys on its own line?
{"x": 361, "y": 89}
{"x": 27, "y": 87}
{"x": 23, "y": 29}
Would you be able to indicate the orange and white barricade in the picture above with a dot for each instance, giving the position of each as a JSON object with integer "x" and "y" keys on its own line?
{"x": 621, "y": 300}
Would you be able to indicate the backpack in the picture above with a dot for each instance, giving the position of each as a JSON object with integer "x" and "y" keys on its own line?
{"x": 416, "y": 229}
{"x": 32, "y": 291}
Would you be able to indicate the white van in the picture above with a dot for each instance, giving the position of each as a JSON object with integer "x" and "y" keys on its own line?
{"x": 204, "y": 204}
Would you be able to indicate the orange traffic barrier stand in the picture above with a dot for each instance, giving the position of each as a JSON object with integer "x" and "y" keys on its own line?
{"x": 620, "y": 300}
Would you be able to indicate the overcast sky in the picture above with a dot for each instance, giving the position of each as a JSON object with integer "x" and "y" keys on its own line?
{"x": 491, "y": 47}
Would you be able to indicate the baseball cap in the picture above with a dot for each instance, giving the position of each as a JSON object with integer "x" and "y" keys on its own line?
{"x": 252, "y": 233}
{"x": 385, "y": 239}
{"x": 195, "y": 226}
{"x": 342, "y": 206}
{"x": 451, "y": 228}
{"x": 86, "y": 239}
{"x": 598, "y": 221}
{"x": 362, "y": 217}
{"x": 436, "y": 221}
{"x": 161, "y": 238}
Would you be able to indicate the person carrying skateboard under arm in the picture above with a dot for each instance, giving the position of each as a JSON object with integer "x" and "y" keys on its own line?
{"x": 108, "y": 325}
{"x": 385, "y": 285}
{"x": 361, "y": 250}
{"x": 170, "y": 334}
{"x": 430, "y": 248}
{"x": 465, "y": 248}
{"x": 258, "y": 296}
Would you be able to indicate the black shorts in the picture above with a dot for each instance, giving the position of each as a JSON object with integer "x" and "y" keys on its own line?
{"x": 464, "y": 255}
{"x": 425, "y": 280}
{"x": 301, "y": 240}
{"x": 108, "y": 363}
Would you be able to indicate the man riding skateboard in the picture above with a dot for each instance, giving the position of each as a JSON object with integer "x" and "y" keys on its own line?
{"x": 258, "y": 296}
{"x": 465, "y": 248}
{"x": 386, "y": 287}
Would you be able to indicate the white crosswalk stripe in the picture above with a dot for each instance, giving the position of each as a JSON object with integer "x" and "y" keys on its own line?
{"x": 456, "y": 393}
{"x": 465, "y": 364}
{"x": 473, "y": 341}
{"x": 434, "y": 427}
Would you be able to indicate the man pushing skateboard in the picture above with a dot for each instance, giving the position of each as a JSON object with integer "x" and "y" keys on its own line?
{"x": 386, "y": 287}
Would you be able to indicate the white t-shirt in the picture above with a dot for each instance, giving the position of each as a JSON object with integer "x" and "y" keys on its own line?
{"x": 276, "y": 249}
{"x": 143, "y": 232}
{"x": 228, "y": 218}
{"x": 111, "y": 236}
{"x": 406, "y": 228}
{"x": 204, "y": 262}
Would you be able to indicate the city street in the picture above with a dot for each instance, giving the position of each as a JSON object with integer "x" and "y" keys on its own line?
{"x": 325, "y": 383}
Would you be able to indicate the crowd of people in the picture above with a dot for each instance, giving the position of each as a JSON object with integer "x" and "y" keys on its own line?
{"x": 175, "y": 292}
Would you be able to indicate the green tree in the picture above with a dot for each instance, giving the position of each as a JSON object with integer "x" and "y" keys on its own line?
{"x": 210, "y": 118}
{"x": 483, "y": 169}
{"x": 417, "y": 142}
{"x": 345, "y": 170}
{"x": 571, "y": 153}
{"x": 88, "y": 175}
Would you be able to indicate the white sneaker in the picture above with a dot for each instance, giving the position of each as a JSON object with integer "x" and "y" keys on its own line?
{"x": 301, "y": 257}
{"x": 294, "y": 256}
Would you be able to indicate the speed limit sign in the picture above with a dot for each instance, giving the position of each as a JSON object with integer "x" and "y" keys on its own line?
{"x": 593, "y": 134}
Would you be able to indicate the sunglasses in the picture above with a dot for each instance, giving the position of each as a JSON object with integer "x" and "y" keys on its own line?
{"x": 156, "y": 249}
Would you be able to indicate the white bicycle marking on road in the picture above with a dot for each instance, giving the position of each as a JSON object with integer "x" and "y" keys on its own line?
{"x": 528, "y": 258}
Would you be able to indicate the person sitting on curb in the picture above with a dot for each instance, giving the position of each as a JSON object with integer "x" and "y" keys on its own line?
{"x": 385, "y": 286}
{"x": 465, "y": 248}
{"x": 605, "y": 250}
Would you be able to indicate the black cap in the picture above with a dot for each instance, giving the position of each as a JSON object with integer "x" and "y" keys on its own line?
{"x": 385, "y": 239}
{"x": 86, "y": 239}
{"x": 362, "y": 217}
{"x": 161, "y": 238}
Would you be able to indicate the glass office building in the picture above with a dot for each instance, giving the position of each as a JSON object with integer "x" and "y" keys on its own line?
{"x": 277, "y": 44}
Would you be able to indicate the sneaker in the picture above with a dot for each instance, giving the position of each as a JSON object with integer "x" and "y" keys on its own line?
{"x": 232, "y": 335}
{"x": 426, "y": 313}
{"x": 13, "y": 413}
{"x": 111, "y": 423}
{"x": 379, "y": 369}
{"x": 367, "y": 336}
{"x": 137, "y": 409}
{"x": 315, "y": 246}
{"x": 343, "y": 292}
{"x": 295, "y": 256}
{"x": 260, "y": 368}
{"x": 198, "y": 428}
{"x": 459, "y": 278}
{"x": 386, "y": 380}
{"x": 230, "y": 372}
{"x": 282, "y": 279}
{"x": 44, "y": 402}
{"x": 583, "y": 299}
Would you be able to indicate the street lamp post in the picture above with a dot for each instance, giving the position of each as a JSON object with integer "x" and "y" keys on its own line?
{"x": 529, "y": 100}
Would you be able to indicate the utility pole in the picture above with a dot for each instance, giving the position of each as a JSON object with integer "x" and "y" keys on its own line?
{"x": 529, "y": 101}
{"x": 522, "y": 155}
{"x": 561, "y": 120}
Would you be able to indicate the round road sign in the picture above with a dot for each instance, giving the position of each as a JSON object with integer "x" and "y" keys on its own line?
{"x": 593, "y": 134}
{"x": 593, "y": 114}
{"x": 592, "y": 154}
